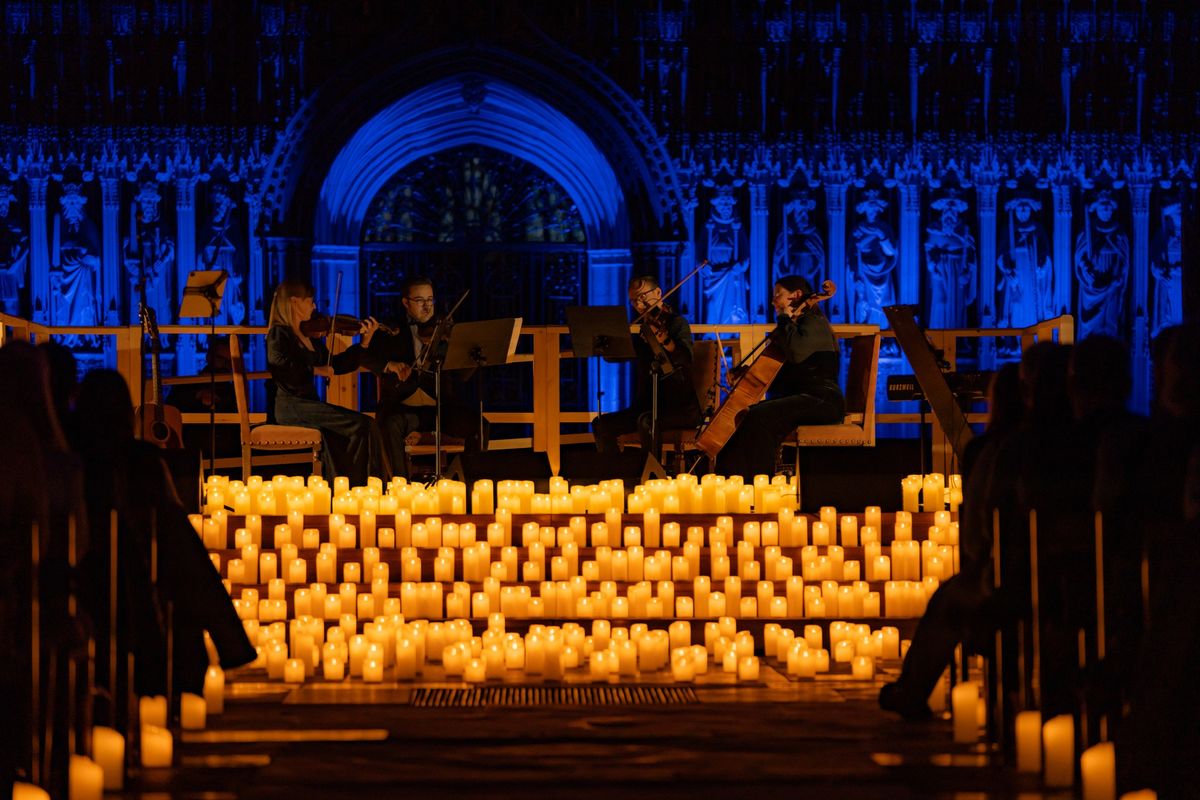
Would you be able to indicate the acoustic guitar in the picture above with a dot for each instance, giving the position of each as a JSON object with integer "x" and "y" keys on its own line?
{"x": 752, "y": 385}
{"x": 157, "y": 422}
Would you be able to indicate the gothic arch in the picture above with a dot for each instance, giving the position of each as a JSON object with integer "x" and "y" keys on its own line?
{"x": 353, "y": 134}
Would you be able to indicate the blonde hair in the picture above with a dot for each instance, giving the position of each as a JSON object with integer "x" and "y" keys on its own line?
{"x": 281, "y": 307}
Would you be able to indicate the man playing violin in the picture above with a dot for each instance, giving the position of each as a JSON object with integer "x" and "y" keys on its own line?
{"x": 664, "y": 345}
{"x": 407, "y": 396}
{"x": 804, "y": 392}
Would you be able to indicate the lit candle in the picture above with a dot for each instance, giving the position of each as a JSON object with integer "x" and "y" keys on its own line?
{"x": 1029, "y": 741}
{"x": 214, "y": 690}
{"x": 108, "y": 748}
{"x": 373, "y": 670}
{"x": 1098, "y": 771}
{"x": 85, "y": 779}
{"x": 1058, "y": 748}
{"x": 153, "y": 711}
{"x": 964, "y": 701}
{"x": 192, "y": 712}
{"x": 747, "y": 668}
{"x": 863, "y": 668}
{"x": 157, "y": 746}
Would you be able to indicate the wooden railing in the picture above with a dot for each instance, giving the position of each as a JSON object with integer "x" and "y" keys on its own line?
{"x": 543, "y": 347}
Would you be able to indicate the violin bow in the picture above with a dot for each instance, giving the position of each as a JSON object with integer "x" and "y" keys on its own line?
{"x": 672, "y": 290}
{"x": 337, "y": 295}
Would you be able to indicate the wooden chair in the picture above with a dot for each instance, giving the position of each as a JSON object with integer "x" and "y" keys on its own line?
{"x": 706, "y": 375}
{"x": 857, "y": 428}
{"x": 272, "y": 438}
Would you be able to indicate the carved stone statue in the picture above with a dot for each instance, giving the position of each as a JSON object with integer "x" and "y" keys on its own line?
{"x": 799, "y": 248}
{"x": 221, "y": 252}
{"x": 14, "y": 253}
{"x": 1101, "y": 269}
{"x": 725, "y": 285}
{"x": 148, "y": 244}
{"x": 1026, "y": 283}
{"x": 75, "y": 267}
{"x": 1166, "y": 265}
{"x": 874, "y": 261}
{"x": 950, "y": 259}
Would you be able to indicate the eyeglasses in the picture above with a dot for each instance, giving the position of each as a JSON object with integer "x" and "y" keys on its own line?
{"x": 424, "y": 301}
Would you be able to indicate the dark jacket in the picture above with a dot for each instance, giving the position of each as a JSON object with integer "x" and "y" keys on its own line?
{"x": 291, "y": 363}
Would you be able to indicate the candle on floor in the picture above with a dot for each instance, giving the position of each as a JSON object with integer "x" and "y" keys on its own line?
{"x": 157, "y": 746}
{"x": 964, "y": 702}
{"x": 1058, "y": 751}
{"x": 863, "y": 668}
{"x": 293, "y": 671}
{"x": 747, "y": 668}
{"x": 193, "y": 712}
{"x": 1098, "y": 771}
{"x": 108, "y": 748}
{"x": 1029, "y": 741}
{"x": 153, "y": 711}
{"x": 85, "y": 779}
{"x": 214, "y": 690}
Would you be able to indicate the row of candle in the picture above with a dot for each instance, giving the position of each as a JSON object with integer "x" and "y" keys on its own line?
{"x": 787, "y": 530}
{"x": 408, "y": 648}
{"x": 631, "y": 563}
{"x": 683, "y": 494}
{"x": 576, "y": 598}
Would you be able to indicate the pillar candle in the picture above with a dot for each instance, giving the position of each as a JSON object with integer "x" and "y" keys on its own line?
{"x": 108, "y": 748}
{"x": 863, "y": 668}
{"x": 1098, "y": 772}
{"x": 157, "y": 746}
{"x": 1029, "y": 741}
{"x": 153, "y": 711}
{"x": 1058, "y": 751}
{"x": 964, "y": 700}
{"x": 192, "y": 712}
{"x": 85, "y": 779}
{"x": 214, "y": 690}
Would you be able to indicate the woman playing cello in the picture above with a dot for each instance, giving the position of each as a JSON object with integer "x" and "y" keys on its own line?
{"x": 804, "y": 392}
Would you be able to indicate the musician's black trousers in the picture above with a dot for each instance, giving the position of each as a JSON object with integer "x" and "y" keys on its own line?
{"x": 397, "y": 421}
{"x": 635, "y": 419}
{"x": 350, "y": 441}
{"x": 753, "y": 447}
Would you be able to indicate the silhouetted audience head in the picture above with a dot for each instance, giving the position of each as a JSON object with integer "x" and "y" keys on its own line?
{"x": 104, "y": 410}
{"x": 26, "y": 381}
{"x": 64, "y": 375}
{"x": 1178, "y": 373}
{"x": 1044, "y": 385}
{"x": 1005, "y": 405}
{"x": 1099, "y": 375}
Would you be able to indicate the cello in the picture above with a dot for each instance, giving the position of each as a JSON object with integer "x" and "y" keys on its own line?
{"x": 765, "y": 361}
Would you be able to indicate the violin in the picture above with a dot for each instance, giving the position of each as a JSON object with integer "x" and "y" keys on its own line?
{"x": 654, "y": 324}
{"x": 319, "y": 325}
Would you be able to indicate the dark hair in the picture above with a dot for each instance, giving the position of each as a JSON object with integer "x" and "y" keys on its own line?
{"x": 25, "y": 374}
{"x": 1044, "y": 385}
{"x": 651, "y": 282}
{"x": 1005, "y": 407}
{"x": 1099, "y": 372}
{"x": 104, "y": 410}
{"x": 794, "y": 283}
{"x": 414, "y": 280}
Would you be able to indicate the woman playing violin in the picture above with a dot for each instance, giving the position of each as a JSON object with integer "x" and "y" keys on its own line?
{"x": 406, "y": 396}
{"x": 351, "y": 444}
{"x": 805, "y": 392}
{"x": 665, "y": 345}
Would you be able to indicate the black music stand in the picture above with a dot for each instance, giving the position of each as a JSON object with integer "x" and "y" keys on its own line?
{"x": 600, "y": 332}
{"x": 202, "y": 298}
{"x": 472, "y": 345}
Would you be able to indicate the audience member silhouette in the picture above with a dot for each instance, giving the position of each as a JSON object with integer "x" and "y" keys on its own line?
{"x": 961, "y": 602}
{"x": 128, "y": 476}
{"x": 23, "y": 502}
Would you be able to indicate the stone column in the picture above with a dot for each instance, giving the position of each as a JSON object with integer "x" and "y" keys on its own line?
{"x": 985, "y": 192}
{"x": 1064, "y": 246}
{"x": 760, "y": 258}
{"x": 186, "y": 175}
{"x": 110, "y": 259}
{"x": 1139, "y": 195}
{"x": 37, "y": 176}
{"x": 910, "y": 238}
{"x": 255, "y": 309}
{"x": 836, "y": 180}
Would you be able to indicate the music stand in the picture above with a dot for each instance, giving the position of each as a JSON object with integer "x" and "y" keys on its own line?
{"x": 471, "y": 345}
{"x": 202, "y": 298}
{"x": 600, "y": 331}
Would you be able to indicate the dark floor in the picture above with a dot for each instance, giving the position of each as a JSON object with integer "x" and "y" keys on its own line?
{"x": 779, "y": 736}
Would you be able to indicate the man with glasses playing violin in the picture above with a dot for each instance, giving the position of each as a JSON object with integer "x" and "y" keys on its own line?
{"x": 663, "y": 345}
{"x": 406, "y": 400}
